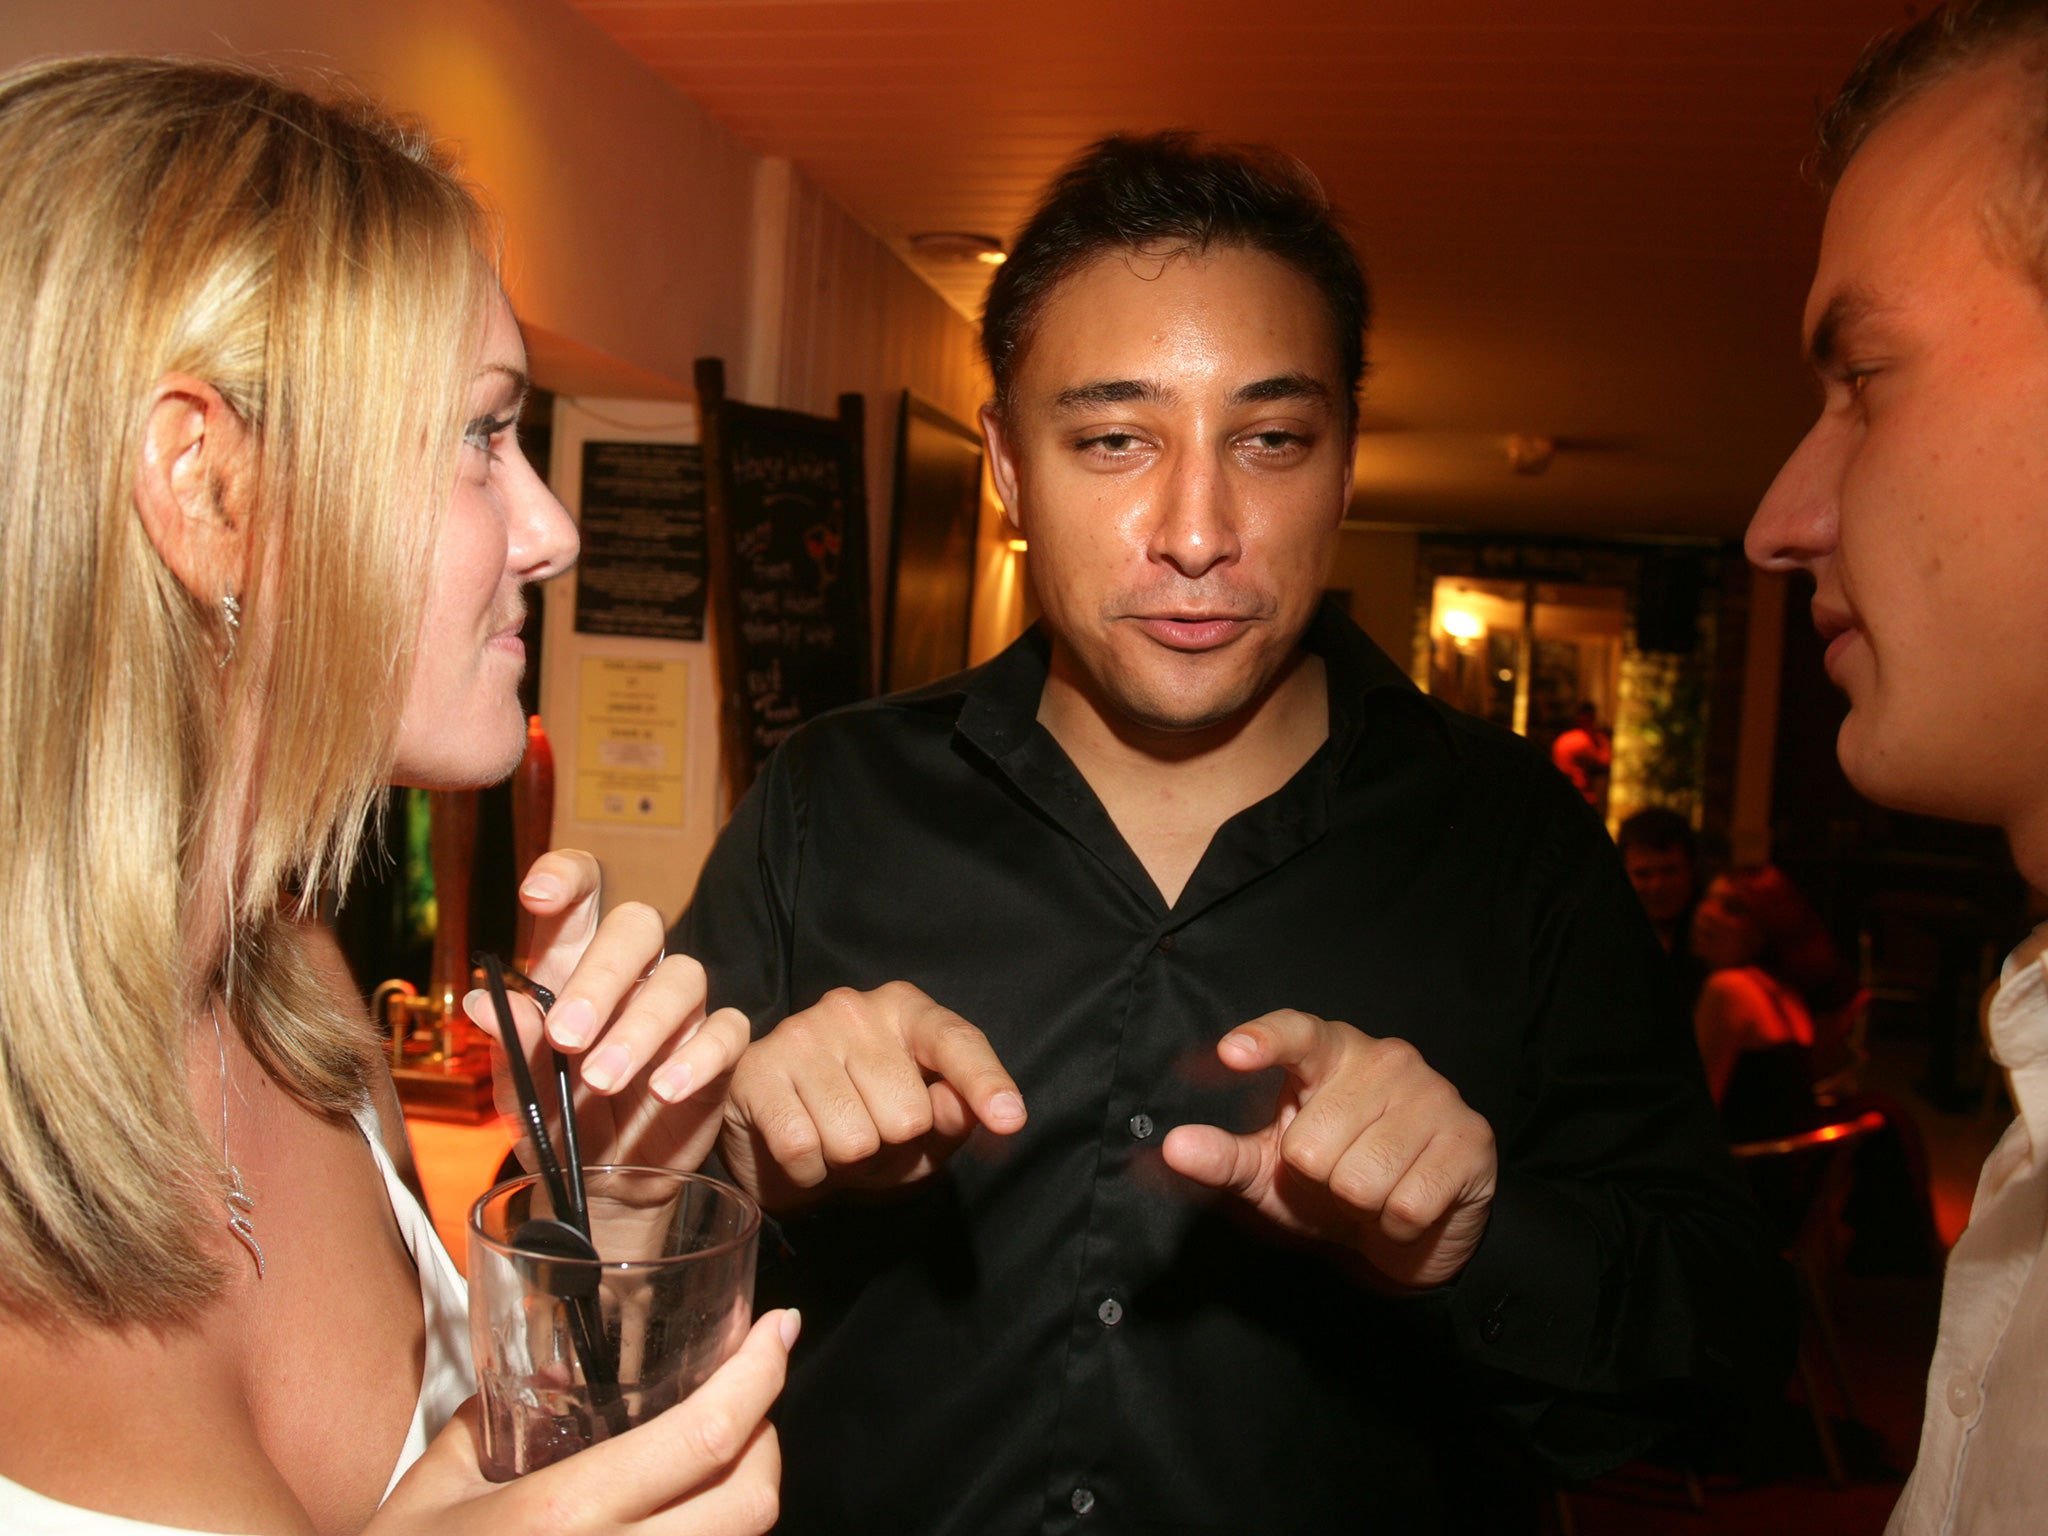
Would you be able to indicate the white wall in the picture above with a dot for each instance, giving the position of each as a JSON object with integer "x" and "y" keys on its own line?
{"x": 657, "y": 863}
{"x": 854, "y": 317}
{"x": 625, "y": 208}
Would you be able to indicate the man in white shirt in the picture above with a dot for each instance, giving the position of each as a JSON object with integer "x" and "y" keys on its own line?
{"x": 1919, "y": 503}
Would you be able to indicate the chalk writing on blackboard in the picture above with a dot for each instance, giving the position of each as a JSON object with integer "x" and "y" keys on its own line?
{"x": 789, "y": 556}
{"x": 642, "y": 571}
{"x": 802, "y": 641}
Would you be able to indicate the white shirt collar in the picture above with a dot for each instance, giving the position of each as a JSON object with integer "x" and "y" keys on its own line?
{"x": 2017, "y": 1027}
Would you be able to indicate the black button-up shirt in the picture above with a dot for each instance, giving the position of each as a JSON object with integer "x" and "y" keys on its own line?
{"x": 1058, "y": 1333}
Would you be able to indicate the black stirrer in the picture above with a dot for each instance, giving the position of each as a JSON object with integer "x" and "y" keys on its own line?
{"x": 558, "y": 1239}
{"x": 577, "y": 1211}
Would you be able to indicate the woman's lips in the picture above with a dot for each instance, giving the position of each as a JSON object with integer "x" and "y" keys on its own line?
{"x": 508, "y": 641}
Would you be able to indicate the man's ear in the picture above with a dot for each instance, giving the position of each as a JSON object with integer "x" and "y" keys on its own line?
{"x": 1002, "y": 464}
{"x": 1350, "y": 470}
{"x": 188, "y": 475}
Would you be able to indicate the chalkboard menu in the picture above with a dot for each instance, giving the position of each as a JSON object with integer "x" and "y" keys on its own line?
{"x": 642, "y": 570}
{"x": 787, "y": 509}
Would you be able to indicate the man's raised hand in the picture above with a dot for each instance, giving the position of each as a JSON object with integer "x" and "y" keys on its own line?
{"x": 862, "y": 1089}
{"x": 1370, "y": 1149}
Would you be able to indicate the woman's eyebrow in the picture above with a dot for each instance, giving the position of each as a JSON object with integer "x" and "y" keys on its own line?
{"x": 515, "y": 377}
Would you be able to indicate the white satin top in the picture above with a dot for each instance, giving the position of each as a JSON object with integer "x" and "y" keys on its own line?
{"x": 446, "y": 1379}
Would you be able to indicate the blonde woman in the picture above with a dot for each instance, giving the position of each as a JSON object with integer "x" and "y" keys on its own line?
{"x": 264, "y": 526}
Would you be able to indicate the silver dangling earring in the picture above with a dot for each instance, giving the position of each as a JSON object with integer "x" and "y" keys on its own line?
{"x": 240, "y": 1203}
{"x": 231, "y": 617}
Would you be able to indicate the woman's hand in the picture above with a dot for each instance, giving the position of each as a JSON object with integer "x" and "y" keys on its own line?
{"x": 710, "y": 1466}
{"x": 655, "y": 1066}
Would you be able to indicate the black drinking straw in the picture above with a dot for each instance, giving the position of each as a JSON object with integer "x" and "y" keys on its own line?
{"x": 579, "y": 1201}
{"x": 586, "y": 1322}
{"x": 577, "y": 1211}
{"x": 522, "y": 1082}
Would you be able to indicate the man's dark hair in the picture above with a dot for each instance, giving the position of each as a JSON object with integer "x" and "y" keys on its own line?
{"x": 1910, "y": 58}
{"x": 1165, "y": 194}
{"x": 1659, "y": 829}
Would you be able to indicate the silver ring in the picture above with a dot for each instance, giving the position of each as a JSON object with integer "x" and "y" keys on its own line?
{"x": 657, "y": 963}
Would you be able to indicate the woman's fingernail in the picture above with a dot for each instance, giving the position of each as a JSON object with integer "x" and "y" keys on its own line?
{"x": 572, "y": 1024}
{"x": 672, "y": 1082}
{"x": 791, "y": 1325}
{"x": 541, "y": 888}
{"x": 477, "y": 1005}
{"x": 1244, "y": 1043}
{"x": 607, "y": 1069}
{"x": 1006, "y": 1106}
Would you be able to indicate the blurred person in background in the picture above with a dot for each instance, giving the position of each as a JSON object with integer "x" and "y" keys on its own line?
{"x": 1772, "y": 973}
{"x": 1661, "y": 854}
{"x": 1584, "y": 753}
{"x": 1918, "y": 502}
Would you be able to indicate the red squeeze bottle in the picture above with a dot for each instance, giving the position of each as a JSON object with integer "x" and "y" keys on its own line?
{"x": 533, "y": 818}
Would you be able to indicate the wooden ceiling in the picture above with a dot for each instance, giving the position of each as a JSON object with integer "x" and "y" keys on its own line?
{"x": 1583, "y": 219}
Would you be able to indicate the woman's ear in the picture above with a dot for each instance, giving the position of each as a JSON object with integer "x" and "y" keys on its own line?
{"x": 188, "y": 479}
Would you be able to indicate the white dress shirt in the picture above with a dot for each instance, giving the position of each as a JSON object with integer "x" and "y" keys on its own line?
{"x": 1983, "y": 1463}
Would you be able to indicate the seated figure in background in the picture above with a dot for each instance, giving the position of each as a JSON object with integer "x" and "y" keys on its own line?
{"x": 1775, "y": 983}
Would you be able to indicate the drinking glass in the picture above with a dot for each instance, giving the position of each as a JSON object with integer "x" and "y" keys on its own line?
{"x": 669, "y": 1297}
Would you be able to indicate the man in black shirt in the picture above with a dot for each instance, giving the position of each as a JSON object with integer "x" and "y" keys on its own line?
{"x": 1210, "y": 1086}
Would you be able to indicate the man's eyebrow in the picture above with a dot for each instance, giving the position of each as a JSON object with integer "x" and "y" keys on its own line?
{"x": 1848, "y": 308}
{"x": 1112, "y": 392}
{"x": 1282, "y": 386}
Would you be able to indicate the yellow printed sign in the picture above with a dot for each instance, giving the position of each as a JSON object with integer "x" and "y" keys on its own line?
{"x": 629, "y": 742}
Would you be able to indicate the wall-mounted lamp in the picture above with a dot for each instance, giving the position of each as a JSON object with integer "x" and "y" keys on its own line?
{"x": 1460, "y": 625}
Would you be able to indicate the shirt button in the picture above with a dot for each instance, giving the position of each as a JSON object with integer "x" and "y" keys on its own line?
{"x": 1141, "y": 1126}
{"x": 1111, "y": 1312}
{"x": 1165, "y": 945}
{"x": 1963, "y": 1395}
{"x": 1083, "y": 1501}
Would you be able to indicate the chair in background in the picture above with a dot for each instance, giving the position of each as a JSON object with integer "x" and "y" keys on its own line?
{"x": 1801, "y": 1180}
{"x": 1841, "y": 1050}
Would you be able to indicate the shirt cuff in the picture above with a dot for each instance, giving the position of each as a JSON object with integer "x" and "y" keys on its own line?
{"x": 1530, "y": 1299}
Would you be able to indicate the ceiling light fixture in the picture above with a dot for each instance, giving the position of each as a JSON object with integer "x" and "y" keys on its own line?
{"x": 1530, "y": 453}
{"x": 957, "y": 245}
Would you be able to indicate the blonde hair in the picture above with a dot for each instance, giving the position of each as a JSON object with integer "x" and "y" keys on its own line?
{"x": 324, "y": 271}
